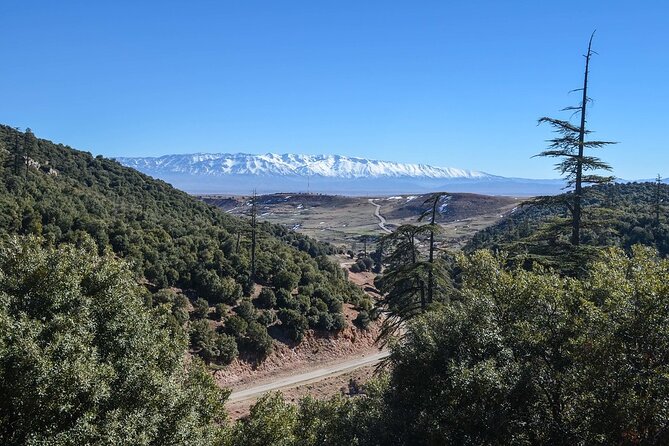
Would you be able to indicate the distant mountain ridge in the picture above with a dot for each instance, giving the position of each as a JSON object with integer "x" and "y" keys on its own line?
{"x": 329, "y": 166}
{"x": 240, "y": 173}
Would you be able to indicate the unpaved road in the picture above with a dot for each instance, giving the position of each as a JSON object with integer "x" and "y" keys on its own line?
{"x": 377, "y": 214}
{"x": 308, "y": 377}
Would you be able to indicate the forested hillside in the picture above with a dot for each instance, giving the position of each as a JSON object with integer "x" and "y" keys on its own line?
{"x": 173, "y": 243}
{"x": 515, "y": 357}
{"x": 614, "y": 215}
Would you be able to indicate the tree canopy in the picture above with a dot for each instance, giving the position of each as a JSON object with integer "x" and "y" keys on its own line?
{"x": 84, "y": 361}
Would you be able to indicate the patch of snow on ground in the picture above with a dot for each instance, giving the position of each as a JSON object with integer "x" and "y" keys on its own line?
{"x": 444, "y": 205}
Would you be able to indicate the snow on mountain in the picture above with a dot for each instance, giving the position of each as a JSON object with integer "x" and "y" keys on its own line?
{"x": 270, "y": 164}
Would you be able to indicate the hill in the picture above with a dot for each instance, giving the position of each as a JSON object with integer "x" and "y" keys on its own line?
{"x": 190, "y": 255}
{"x": 615, "y": 215}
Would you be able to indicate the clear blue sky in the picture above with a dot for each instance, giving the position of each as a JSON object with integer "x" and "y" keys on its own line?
{"x": 440, "y": 82}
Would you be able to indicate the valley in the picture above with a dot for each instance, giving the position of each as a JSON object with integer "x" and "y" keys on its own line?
{"x": 346, "y": 221}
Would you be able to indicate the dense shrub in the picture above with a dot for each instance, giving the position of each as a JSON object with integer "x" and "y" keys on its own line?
{"x": 362, "y": 320}
{"x": 338, "y": 322}
{"x": 200, "y": 308}
{"x": 285, "y": 279}
{"x": 211, "y": 346}
{"x": 266, "y": 317}
{"x": 246, "y": 310}
{"x": 258, "y": 340}
{"x": 266, "y": 298}
{"x": 294, "y": 324}
{"x": 236, "y": 326}
{"x": 220, "y": 310}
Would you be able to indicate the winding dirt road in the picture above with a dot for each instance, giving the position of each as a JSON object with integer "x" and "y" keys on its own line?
{"x": 377, "y": 214}
{"x": 308, "y": 377}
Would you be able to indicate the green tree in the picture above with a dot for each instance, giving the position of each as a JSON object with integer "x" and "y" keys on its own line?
{"x": 570, "y": 145}
{"x": 200, "y": 309}
{"x": 294, "y": 323}
{"x": 84, "y": 361}
{"x": 270, "y": 423}
{"x": 258, "y": 340}
{"x": 433, "y": 201}
{"x": 531, "y": 357}
{"x": 29, "y": 145}
{"x": 266, "y": 298}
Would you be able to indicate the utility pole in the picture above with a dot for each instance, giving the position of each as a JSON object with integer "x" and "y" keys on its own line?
{"x": 658, "y": 185}
{"x": 254, "y": 213}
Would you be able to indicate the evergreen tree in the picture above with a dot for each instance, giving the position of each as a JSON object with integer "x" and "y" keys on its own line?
{"x": 29, "y": 143}
{"x": 433, "y": 200}
{"x": 404, "y": 282}
{"x": 570, "y": 145}
{"x": 84, "y": 361}
{"x": 254, "y": 215}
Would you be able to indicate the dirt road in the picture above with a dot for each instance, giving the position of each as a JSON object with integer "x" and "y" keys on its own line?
{"x": 377, "y": 214}
{"x": 327, "y": 371}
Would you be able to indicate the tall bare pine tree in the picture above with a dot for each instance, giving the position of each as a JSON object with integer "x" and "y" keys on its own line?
{"x": 570, "y": 146}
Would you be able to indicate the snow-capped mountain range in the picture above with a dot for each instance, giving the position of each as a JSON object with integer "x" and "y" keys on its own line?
{"x": 270, "y": 164}
{"x": 240, "y": 173}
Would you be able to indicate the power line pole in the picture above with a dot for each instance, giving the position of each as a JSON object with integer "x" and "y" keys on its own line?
{"x": 253, "y": 235}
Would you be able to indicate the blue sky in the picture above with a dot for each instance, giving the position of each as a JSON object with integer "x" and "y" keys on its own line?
{"x": 445, "y": 83}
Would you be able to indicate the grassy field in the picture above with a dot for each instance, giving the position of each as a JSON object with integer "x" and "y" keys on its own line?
{"x": 343, "y": 221}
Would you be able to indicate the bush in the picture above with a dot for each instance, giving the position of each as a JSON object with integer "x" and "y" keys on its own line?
{"x": 286, "y": 280}
{"x": 200, "y": 309}
{"x": 175, "y": 302}
{"x": 303, "y": 303}
{"x": 227, "y": 348}
{"x": 266, "y": 298}
{"x": 362, "y": 320}
{"x": 266, "y": 317}
{"x": 325, "y": 321}
{"x": 338, "y": 322}
{"x": 294, "y": 323}
{"x": 164, "y": 296}
{"x": 355, "y": 268}
{"x": 365, "y": 304}
{"x": 220, "y": 310}
{"x": 211, "y": 346}
{"x": 258, "y": 340}
{"x": 319, "y": 304}
{"x": 228, "y": 291}
{"x": 246, "y": 311}
{"x": 283, "y": 298}
{"x": 334, "y": 304}
{"x": 236, "y": 326}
